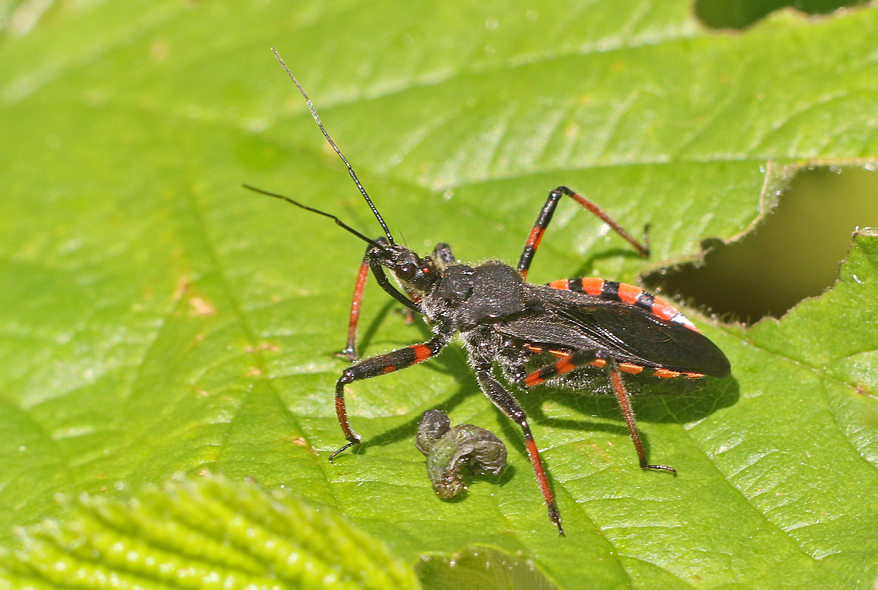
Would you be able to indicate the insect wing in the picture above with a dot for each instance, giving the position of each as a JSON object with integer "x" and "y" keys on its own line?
{"x": 644, "y": 338}
{"x": 576, "y": 321}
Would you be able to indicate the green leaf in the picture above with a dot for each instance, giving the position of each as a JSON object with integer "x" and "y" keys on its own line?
{"x": 157, "y": 318}
{"x": 202, "y": 533}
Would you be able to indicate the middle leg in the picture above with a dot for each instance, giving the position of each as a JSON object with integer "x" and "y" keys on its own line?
{"x": 510, "y": 406}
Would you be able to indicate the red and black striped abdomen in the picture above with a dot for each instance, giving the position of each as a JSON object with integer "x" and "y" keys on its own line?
{"x": 613, "y": 291}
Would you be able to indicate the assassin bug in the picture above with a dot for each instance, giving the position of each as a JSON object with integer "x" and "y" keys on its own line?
{"x": 558, "y": 333}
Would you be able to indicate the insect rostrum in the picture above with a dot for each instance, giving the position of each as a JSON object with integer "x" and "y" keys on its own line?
{"x": 565, "y": 328}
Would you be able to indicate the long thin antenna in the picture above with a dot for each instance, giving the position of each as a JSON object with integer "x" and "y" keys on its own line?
{"x": 317, "y": 211}
{"x": 335, "y": 147}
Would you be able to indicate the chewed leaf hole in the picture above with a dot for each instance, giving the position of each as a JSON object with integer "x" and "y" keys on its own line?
{"x": 739, "y": 14}
{"x": 792, "y": 255}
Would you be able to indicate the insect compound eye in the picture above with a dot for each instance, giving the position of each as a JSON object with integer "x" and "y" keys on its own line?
{"x": 406, "y": 271}
{"x": 450, "y": 450}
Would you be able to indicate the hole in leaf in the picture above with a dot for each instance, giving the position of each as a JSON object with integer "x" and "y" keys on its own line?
{"x": 738, "y": 14}
{"x": 793, "y": 254}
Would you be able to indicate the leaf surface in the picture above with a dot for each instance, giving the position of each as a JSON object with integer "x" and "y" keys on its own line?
{"x": 159, "y": 319}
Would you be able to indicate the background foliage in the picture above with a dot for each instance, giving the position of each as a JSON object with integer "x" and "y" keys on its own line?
{"x": 159, "y": 319}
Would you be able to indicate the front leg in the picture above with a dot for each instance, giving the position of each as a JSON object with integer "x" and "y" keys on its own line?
{"x": 373, "y": 367}
{"x": 371, "y": 260}
{"x": 350, "y": 350}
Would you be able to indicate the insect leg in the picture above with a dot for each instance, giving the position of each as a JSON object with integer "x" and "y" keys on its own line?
{"x": 379, "y": 365}
{"x": 350, "y": 349}
{"x": 580, "y": 358}
{"x": 545, "y": 216}
{"x": 628, "y": 412}
{"x": 370, "y": 261}
{"x": 443, "y": 256}
{"x": 509, "y": 406}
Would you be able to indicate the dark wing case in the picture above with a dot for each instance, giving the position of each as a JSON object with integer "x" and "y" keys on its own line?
{"x": 629, "y": 333}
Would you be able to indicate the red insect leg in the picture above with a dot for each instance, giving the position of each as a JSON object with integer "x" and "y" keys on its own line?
{"x": 350, "y": 350}
{"x": 581, "y": 358}
{"x": 545, "y": 216}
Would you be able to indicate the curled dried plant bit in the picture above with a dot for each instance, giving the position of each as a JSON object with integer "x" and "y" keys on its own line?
{"x": 433, "y": 425}
{"x": 450, "y": 450}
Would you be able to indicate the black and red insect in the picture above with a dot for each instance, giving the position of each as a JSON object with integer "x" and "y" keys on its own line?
{"x": 559, "y": 334}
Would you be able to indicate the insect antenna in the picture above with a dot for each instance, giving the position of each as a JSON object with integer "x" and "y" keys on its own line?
{"x": 335, "y": 147}
{"x": 338, "y": 221}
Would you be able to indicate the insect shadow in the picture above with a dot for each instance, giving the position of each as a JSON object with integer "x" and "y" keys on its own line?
{"x": 655, "y": 401}
{"x": 372, "y": 329}
{"x": 586, "y": 268}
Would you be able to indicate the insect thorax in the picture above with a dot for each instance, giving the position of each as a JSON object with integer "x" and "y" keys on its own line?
{"x": 466, "y": 296}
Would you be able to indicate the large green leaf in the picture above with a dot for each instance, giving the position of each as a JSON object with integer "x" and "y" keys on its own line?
{"x": 157, "y": 318}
